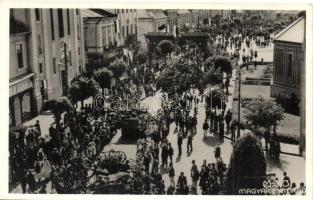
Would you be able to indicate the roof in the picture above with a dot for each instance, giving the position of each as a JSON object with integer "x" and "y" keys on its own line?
{"x": 293, "y": 33}
{"x": 159, "y": 34}
{"x": 150, "y": 14}
{"x": 17, "y": 26}
{"x": 97, "y": 13}
{"x": 181, "y": 12}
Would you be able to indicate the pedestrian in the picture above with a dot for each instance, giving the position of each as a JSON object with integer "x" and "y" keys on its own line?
{"x": 30, "y": 179}
{"x": 171, "y": 175}
{"x": 181, "y": 182}
{"x": 228, "y": 118}
{"x": 164, "y": 155}
{"x": 205, "y": 128}
{"x": 217, "y": 153}
{"x": 179, "y": 143}
{"x": 232, "y": 131}
{"x": 170, "y": 152}
{"x": 194, "y": 174}
{"x": 189, "y": 143}
{"x": 37, "y": 126}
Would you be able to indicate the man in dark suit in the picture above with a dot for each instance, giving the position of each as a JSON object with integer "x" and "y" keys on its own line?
{"x": 179, "y": 142}
{"x": 182, "y": 181}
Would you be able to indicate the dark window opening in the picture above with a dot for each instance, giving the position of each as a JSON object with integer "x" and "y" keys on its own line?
{"x": 19, "y": 53}
{"x": 37, "y": 14}
{"x": 52, "y": 24}
{"x": 40, "y": 68}
{"x": 68, "y": 22}
{"x": 54, "y": 65}
{"x": 70, "y": 57}
{"x": 61, "y": 24}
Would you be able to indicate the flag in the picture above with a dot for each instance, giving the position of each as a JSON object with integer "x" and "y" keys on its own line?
{"x": 174, "y": 31}
{"x": 162, "y": 27}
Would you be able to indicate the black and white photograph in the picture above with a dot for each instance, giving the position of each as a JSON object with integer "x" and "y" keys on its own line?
{"x": 157, "y": 101}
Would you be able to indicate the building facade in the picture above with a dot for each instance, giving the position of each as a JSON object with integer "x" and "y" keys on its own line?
{"x": 288, "y": 61}
{"x": 289, "y": 70}
{"x": 52, "y": 52}
{"x": 100, "y": 33}
{"x": 151, "y": 21}
{"x": 127, "y": 24}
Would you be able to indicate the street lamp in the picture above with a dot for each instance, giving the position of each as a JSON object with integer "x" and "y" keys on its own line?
{"x": 239, "y": 95}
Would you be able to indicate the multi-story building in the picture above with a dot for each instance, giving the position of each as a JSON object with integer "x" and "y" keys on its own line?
{"x": 150, "y": 21}
{"x": 100, "y": 32}
{"x": 127, "y": 24}
{"x": 45, "y": 56}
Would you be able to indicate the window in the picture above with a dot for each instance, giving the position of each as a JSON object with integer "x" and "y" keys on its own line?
{"x": 40, "y": 68}
{"x": 78, "y": 32}
{"x": 19, "y": 54}
{"x": 122, "y": 10}
{"x": 80, "y": 69}
{"x": 126, "y": 10}
{"x": 289, "y": 64}
{"x": 61, "y": 24}
{"x": 127, "y": 30}
{"x": 52, "y": 24}
{"x": 68, "y": 22}
{"x": 37, "y": 14}
{"x": 39, "y": 44}
{"x": 77, "y": 11}
{"x": 131, "y": 30}
{"x": 123, "y": 31}
{"x": 136, "y": 29}
{"x": 78, "y": 50}
{"x": 54, "y": 65}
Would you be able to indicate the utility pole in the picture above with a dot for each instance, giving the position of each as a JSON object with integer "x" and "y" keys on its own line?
{"x": 239, "y": 101}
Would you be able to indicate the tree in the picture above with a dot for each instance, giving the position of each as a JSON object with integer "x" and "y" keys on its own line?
{"x": 166, "y": 47}
{"x": 213, "y": 77}
{"x": 263, "y": 113}
{"x": 224, "y": 63}
{"x": 118, "y": 67}
{"x": 83, "y": 88}
{"x": 57, "y": 107}
{"x": 103, "y": 76}
{"x": 247, "y": 167}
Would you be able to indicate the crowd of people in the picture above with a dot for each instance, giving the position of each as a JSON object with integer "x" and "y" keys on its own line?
{"x": 64, "y": 157}
{"x": 70, "y": 156}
